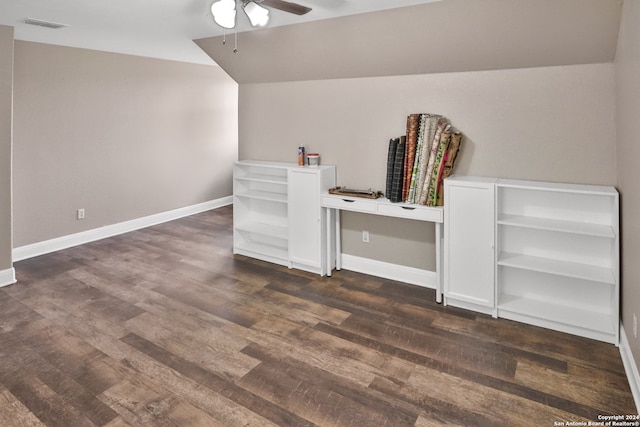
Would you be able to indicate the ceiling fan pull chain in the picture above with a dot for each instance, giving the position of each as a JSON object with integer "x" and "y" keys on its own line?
{"x": 224, "y": 36}
{"x": 235, "y": 37}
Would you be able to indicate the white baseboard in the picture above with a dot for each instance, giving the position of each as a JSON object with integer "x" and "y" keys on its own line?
{"x": 59, "y": 243}
{"x": 401, "y": 273}
{"x": 630, "y": 367}
{"x": 7, "y": 277}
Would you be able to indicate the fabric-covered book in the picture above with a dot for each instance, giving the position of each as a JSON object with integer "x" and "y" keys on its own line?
{"x": 416, "y": 162}
{"x": 424, "y": 192}
{"x": 413, "y": 125}
{"x": 449, "y": 163}
{"x": 391, "y": 158}
{"x": 429, "y": 134}
{"x": 432, "y": 196}
{"x": 398, "y": 172}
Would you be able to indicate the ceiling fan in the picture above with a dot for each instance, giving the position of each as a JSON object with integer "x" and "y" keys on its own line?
{"x": 224, "y": 11}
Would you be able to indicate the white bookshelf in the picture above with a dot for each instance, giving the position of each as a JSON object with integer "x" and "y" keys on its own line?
{"x": 260, "y": 214}
{"x": 558, "y": 256}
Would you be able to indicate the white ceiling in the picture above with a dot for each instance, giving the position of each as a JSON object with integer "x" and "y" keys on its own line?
{"x": 154, "y": 28}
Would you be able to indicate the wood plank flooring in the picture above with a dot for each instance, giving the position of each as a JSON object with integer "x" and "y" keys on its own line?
{"x": 165, "y": 327}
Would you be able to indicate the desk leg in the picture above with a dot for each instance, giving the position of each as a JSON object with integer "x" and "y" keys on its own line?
{"x": 338, "y": 243}
{"x": 329, "y": 243}
{"x": 438, "y": 262}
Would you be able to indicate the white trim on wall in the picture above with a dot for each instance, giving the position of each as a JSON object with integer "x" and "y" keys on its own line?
{"x": 7, "y": 277}
{"x": 630, "y": 367}
{"x": 59, "y": 243}
{"x": 386, "y": 270}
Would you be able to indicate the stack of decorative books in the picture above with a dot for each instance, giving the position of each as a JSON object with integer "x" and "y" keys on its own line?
{"x": 418, "y": 162}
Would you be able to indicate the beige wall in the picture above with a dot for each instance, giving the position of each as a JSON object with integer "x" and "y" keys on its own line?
{"x": 548, "y": 123}
{"x": 628, "y": 137}
{"x": 120, "y": 136}
{"x": 6, "y": 90}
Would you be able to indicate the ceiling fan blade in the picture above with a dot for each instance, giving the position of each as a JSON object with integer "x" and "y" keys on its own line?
{"x": 286, "y": 6}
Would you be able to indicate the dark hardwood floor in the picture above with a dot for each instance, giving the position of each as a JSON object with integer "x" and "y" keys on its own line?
{"x": 165, "y": 327}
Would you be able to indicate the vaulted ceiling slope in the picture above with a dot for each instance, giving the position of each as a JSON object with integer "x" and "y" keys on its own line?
{"x": 446, "y": 36}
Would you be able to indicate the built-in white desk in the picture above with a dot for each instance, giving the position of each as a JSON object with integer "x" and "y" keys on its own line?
{"x": 334, "y": 203}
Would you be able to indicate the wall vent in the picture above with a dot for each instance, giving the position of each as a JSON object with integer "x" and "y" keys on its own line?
{"x": 43, "y": 23}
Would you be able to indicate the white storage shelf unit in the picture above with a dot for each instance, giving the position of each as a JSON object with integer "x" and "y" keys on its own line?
{"x": 558, "y": 257}
{"x": 277, "y": 215}
{"x": 260, "y": 217}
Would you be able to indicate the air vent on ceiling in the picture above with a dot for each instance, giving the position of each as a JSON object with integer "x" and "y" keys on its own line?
{"x": 43, "y": 23}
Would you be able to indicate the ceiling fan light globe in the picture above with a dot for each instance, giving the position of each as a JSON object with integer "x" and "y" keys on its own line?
{"x": 258, "y": 15}
{"x": 226, "y": 21}
{"x": 224, "y": 13}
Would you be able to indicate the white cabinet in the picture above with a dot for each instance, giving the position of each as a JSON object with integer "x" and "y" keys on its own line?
{"x": 557, "y": 263}
{"x": 277, "y": 215}
{"x": 307, "y": 223}
{"x": 469, "y": 244}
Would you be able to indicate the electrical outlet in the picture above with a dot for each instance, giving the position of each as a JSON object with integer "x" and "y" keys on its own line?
{"x": 365, "y": 236}
{"x": 80, "y": 213}
{"x": 635, "y": 326}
